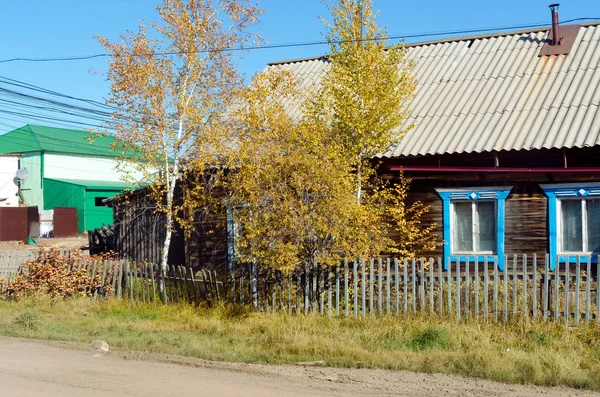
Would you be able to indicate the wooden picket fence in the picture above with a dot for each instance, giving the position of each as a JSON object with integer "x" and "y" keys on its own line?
{"x": 10, "y": 263}
{"x": 524, "y": 289}
{"x": 122, "y": 279}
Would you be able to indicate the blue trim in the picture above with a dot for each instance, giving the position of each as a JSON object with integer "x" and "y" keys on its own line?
{"x": 497, "y": 194}
{"x": 553, "y": 192}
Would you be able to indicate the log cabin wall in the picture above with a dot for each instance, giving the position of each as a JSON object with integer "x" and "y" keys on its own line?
{"x": 526, "y": 210}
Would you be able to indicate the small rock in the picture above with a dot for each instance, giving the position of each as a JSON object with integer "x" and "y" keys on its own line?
{"x": 100, "y": 346}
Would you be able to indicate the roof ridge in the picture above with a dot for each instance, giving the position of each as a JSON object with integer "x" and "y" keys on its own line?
{"x": 445, "y": 40}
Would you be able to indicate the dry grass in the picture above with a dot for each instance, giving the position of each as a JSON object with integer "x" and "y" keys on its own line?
{"x": 534, "y": 353}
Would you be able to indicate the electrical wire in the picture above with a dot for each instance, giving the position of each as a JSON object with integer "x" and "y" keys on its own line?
{"x": 298, "y": 44}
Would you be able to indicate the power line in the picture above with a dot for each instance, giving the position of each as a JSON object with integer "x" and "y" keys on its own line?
{"x": 298, "y": 44}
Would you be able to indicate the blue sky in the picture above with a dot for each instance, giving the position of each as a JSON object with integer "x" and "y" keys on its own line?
{"x": 44, "y": 28}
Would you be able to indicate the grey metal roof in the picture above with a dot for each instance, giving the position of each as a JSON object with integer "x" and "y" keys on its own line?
{"x": 493, "y": 93}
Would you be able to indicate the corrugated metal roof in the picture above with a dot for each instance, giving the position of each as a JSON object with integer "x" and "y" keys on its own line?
{"x": 36, "y": 138}
{"x": 91, "y": 184}
{"x": 493, "y": 93}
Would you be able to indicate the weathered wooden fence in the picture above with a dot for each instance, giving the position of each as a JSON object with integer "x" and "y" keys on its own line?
{"x": 123, "y": 279}
{"x": 10, "y": 262}
{"x": 525, "y": 288}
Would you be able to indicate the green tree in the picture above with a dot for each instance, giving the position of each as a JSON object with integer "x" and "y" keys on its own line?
{"x": 365, "y": 95}
{"x": 172, "y": 81}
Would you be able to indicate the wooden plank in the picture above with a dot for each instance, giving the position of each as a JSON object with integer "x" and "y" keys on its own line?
{"x": 505, "y": 306}
{"x": 467, "y": 287}
{"x": 535, "y": 287}
{"x": 315, "y": 276}
{"x": 114, "y": 278}
{"x": 545, "y": 295}
{"x": 567, "y": 288}
{"x": 104, "y": 271}
{"x": 322, "y": 290}
{"x": 422, "y": 285}
{"x": 577, "y": 286}
{"x": 306, "y": 287}
{"x": 556, "y": 282}
{"x": 329, "y": 293}
{"x": 458, "y": 290}
{"x": 379, "y": 287}
{"x": 515, "y": 289}
{"x": 405, "y": 287}
{"x": 346, "y": 294}
{"x": 449, "y": 288}
{"x": 440, "y": 287}
{"x": 153, "y": 284}
{"x": 524, "y": 308}
{"x": 414, "y": 286}
{"x": 388, "y": 294}
{"x": 476, "y": 286}
{"x": 363, "y": 287}
{"x": 598, "y": 289}
{"x": 93, "y": 277}
{"x": 431, "y": 300}
{"x": 486, "y": 290}
{"x": 371, "y": 285}
{"x": 397, "y": 284}
{"x": 197, "y": 285}
{"x": 355, "y": 283}
{"x": 337, "y": 290}
{"x": 588, "y": 282}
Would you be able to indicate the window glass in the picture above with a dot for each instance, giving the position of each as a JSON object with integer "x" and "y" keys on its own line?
{"x": 463, "y": 226}
{"x": 486, "y": 214}
{"x": 572, "y": 239}
{"x": 593, "y": 225}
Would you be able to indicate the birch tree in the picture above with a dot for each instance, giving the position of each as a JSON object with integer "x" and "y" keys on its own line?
{"x": 366, "y": 92}
{"x": 172, "y": 80}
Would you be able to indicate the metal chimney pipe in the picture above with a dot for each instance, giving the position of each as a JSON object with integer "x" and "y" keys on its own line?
{"x": 555, "y": 27}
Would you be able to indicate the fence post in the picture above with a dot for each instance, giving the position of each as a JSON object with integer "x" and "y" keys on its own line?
{"x": 545, "y": 296}
{"x": 440, "y": 287}
{"x": 355, "y": 282}
{"x": 346, "y": 295}
{"x": 387, "y": 286}
{"x": 371, "y": 285}
{"x": 363, "y": 287}
{"x": 379, "y": 287}
{"x": 535, "y": 287}
{"x": 525, "y": 309}
{"x": 397, "y": 284}
{"x": 577, "y": 286}
{"x": 486, "y": 291}
{"x": 588, "y": 282}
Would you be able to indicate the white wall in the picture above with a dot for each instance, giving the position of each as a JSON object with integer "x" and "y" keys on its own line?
{"x": 60, "y": 166}
{"x": 8, "y": 190}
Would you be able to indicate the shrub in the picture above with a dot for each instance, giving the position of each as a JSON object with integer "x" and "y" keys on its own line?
{"x": 429, "y": 338}
{"x": 58, "y": 275}
{"x": 28, "y": 320}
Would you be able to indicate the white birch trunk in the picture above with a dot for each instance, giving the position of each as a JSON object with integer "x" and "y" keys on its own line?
{"x": 171, "y": 182}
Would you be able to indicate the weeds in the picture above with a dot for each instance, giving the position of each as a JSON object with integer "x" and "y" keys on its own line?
{"x": 537, "y": 353}
{"x": 27, "y": 320}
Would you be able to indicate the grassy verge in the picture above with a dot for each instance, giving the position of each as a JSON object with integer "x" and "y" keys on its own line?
{"x": 541, "y": 354}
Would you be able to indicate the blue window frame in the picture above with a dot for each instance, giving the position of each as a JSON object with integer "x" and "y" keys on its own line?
{"x": 573, "y": 221}
{"x": 474, "y": 223}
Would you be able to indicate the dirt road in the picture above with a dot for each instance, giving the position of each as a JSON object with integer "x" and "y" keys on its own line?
{"x": 33, "y": 369}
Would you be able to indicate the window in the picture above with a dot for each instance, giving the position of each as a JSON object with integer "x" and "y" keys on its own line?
{"x": 98, "y": 201}
{"x": 474, "y": 227}
{"x": 573, "y": 221}
{"x": 474, "y": 223}
{"x": 579, "y": 225}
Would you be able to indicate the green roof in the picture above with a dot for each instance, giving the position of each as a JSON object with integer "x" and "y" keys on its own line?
{"x": 90, "y": 184}
{"x": 36, "y": 138}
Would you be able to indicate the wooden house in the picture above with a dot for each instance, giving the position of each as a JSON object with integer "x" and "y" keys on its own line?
{"x": 505, "y": 146}
{"x": 506, "y": 141}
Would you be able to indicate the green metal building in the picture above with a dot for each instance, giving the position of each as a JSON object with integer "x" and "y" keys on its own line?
{"x": 67, "y": 168}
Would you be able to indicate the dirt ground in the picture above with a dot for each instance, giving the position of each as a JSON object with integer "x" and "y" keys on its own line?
{"x": 36, "y": 368}
{"x": 60, "y": 243}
